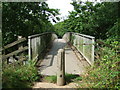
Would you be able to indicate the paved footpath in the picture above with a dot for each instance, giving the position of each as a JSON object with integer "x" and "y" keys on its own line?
{"x": 72, "y": 64}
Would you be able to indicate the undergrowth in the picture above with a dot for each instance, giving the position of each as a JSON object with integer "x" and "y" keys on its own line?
{"x": 105, "y": 71}
{"x": 20, "y": 76}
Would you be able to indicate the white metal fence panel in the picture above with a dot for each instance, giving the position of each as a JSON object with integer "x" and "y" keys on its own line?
{"x": 38, "y": 43}
{"x": 83, "y": 43}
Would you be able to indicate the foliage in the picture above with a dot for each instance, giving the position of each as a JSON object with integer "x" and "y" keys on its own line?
{"x": 19, "y": 76}
{"x": 106, "y": 70}
{"x": 59, "y": 29}
{"x": 98, "y": 20}
{"x": 114, "y": 31}
{"x": 21, "y": 18}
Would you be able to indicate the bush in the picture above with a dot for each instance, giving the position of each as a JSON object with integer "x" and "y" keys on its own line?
{"x": 105, "y": 72}
{"x": 19, "y": 76}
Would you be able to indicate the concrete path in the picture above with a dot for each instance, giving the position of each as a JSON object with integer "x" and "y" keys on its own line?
{"x": 72, "y": 64}
{"x": 53, "y": 86}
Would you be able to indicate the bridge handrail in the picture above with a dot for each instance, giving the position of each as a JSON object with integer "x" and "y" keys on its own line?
{"x": 38, "y": 43}
{"x": 83, "y": 35}
{"x": 83, "y": 43}
{"x": 37, "y": 35}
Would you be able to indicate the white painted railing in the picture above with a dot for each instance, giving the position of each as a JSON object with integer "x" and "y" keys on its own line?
{"x": 38, "y": 43}
{"x": 83, "y": 43}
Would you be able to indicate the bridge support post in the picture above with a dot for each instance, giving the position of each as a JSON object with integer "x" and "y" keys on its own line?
{"x": 61, "y": 68}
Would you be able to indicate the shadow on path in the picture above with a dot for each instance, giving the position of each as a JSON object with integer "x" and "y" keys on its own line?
{"x": 51, "y": 56}
{"x": 72, "y": 64}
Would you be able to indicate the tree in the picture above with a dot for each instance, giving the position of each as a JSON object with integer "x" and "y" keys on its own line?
{"x": 21, "y": 18}
{"x": 92, "y": 19}
{"x": 59, "y": 29}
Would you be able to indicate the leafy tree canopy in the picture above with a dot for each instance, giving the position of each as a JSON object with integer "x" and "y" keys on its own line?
{"x": 99, "y": 20}
{"x": 26, "y": 18}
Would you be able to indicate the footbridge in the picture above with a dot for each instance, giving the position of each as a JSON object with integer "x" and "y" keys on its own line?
{"x": 79, "y": 52}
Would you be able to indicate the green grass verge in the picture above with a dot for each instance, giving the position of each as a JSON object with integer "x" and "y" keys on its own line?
{"x": 51, "y": 79}
{"x": 68, "y": 78}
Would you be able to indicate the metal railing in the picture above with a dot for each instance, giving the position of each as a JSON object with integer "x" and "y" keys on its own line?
{"x": 38, "y": 43}
{"x": 84, "y": 44}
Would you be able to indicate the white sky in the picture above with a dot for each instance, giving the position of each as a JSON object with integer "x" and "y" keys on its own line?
{"x": 63, "y": 5}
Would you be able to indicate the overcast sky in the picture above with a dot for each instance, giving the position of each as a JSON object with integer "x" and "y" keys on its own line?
{"x": 63, "y": 5}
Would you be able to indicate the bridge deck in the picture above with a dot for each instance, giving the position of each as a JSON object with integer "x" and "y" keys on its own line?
{"x": 73, "y": 65}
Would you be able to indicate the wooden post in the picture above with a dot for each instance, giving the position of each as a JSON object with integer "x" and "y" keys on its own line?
{"x": 20, "y": 46}
{"x": 29, "y": 48}
{"x": 61, "y": 68}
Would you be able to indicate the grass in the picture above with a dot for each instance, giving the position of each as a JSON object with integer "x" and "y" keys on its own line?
{"x": 68, "y": 78}
{"x": 72, "y": 78}
{"x": 50, "y": 79}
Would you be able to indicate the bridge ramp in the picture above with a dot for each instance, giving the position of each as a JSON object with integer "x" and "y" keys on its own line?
{"x": 72, "y": 64}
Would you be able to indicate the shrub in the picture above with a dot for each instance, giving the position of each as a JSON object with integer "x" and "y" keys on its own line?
{"x": 105, "y": 72}
{"x": 19, "y": 76}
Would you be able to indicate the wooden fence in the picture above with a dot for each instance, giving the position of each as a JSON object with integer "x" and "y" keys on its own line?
{"x": 36, "y": 46}
{"x": 21, "y": 49}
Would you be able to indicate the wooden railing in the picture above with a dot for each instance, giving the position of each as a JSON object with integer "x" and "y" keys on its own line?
{"x": 21, "y": 49}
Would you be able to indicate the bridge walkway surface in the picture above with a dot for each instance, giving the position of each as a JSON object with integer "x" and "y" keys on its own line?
{"x": 73, "y": 64}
